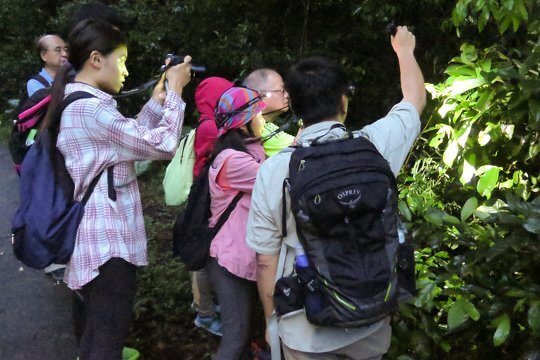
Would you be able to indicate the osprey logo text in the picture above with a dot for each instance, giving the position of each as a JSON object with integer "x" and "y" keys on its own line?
{"x": 287, "y": 292}
{"x": 350, "y": 198}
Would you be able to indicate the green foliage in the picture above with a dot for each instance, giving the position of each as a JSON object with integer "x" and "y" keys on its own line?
{"x": 472, "y": 203}
{"x": 469, "y": 193}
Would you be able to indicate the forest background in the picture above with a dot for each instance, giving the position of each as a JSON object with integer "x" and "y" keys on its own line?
{"x": 469, "y": 190}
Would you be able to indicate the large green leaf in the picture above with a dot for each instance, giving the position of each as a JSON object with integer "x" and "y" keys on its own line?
{"x": 533, "y": 317}
{"x": 457, "y": 315}
{"x": 532, "y": 225}
{"x": 488, "y": 181}
{"x": 462, "y": 85}
{"x": 450, "y": 153}
{"x": 503, "y": 329}
{"x": 468, "y": 208}
{"x": 460, "y": 312}
{"x": 472, "y": 311}
{"x": 404, "y": 210}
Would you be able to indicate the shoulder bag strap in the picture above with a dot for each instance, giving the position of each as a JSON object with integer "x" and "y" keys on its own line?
{"x": 227, "y": 212}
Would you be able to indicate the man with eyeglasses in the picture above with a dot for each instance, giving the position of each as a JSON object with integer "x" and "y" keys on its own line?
{"x": 269, "y": 84}
{"x": 53, "y": 53}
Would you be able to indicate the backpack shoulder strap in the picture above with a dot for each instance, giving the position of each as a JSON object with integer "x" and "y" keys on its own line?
{"x": 78, "y": 95}
{"x": 227, "y": 212}
{"x": 41, "y": 80}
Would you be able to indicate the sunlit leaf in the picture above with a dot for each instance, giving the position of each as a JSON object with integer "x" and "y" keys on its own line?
{"x": 503, "y": 329}
{"x": 450, "y": 153}
{"x": 468, "y": 208}
{"x": 508, "y": 130}
{"x": 464, "y": 135}
{"x": 467, "y": 173}
{"x": 446, "y": 108}
{"x": 487, "y": 182}
{"x": 461, "y": 86}
{"x": 484, "y": 138}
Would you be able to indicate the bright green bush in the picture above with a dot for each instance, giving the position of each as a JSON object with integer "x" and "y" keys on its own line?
{"x": 471, "y": 199}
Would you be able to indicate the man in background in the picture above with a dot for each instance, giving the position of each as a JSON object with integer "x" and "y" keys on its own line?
{"x": 53, "y": 52}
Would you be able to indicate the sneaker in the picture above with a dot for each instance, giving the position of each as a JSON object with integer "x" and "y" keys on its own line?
{"x": 212, "y": 324}
{"x": 53, "y": 267}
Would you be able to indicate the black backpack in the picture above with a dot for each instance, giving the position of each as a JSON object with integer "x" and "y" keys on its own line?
{"x": 344, "y": 200}
{"x": 192, "y": 234}
{"x": 28, "y": 115}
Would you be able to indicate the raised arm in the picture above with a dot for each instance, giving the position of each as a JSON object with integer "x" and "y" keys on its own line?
{"x": 412, "y": 80}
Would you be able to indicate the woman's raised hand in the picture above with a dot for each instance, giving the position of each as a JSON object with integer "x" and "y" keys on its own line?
{"x": 179, "y": 75}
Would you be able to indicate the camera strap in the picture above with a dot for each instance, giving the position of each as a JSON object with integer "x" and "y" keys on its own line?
{"x": 147, "y": 85}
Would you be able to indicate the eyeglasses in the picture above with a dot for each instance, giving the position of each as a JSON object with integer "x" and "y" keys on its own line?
{"x": 282, "y": 91}
{"x": 59, "y": 49}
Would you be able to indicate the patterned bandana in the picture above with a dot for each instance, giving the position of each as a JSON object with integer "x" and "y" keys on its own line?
{"x": 237, "y": 107}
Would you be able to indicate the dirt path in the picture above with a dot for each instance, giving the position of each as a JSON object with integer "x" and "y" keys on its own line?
{"x": 35, "y": 314}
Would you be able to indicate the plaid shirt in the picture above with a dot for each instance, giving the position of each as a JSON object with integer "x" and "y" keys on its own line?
{"x": 93, "y": 136}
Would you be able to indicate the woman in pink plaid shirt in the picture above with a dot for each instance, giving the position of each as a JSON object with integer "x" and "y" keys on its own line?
{"x": 94, "y": 136}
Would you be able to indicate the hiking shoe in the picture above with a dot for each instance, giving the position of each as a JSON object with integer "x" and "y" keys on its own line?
{"x": 212, "y": 324}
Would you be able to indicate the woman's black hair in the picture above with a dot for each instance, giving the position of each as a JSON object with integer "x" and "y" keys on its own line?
{"x": 87, "y": 36}
{"x": 235, "y": 139}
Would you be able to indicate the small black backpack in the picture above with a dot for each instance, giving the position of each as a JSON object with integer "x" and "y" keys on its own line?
{"x": 344, "y": 200}
{"x": 192, "y": 234}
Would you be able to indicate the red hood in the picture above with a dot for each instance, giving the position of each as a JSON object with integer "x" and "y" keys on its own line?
{"x": 208, "y": 93}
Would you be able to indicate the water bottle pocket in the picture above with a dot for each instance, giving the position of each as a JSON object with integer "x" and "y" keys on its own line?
{"x": 288, "y": 295}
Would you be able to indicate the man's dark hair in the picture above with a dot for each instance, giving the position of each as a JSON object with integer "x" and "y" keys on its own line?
{"x": 316, "y": 86}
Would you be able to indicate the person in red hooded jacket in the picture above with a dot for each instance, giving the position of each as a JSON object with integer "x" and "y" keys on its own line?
{"x": 207, "y": 95}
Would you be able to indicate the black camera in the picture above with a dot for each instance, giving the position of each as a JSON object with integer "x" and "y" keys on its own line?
{"x": 178, "y": 59}
{"x": 391, "y": 28}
